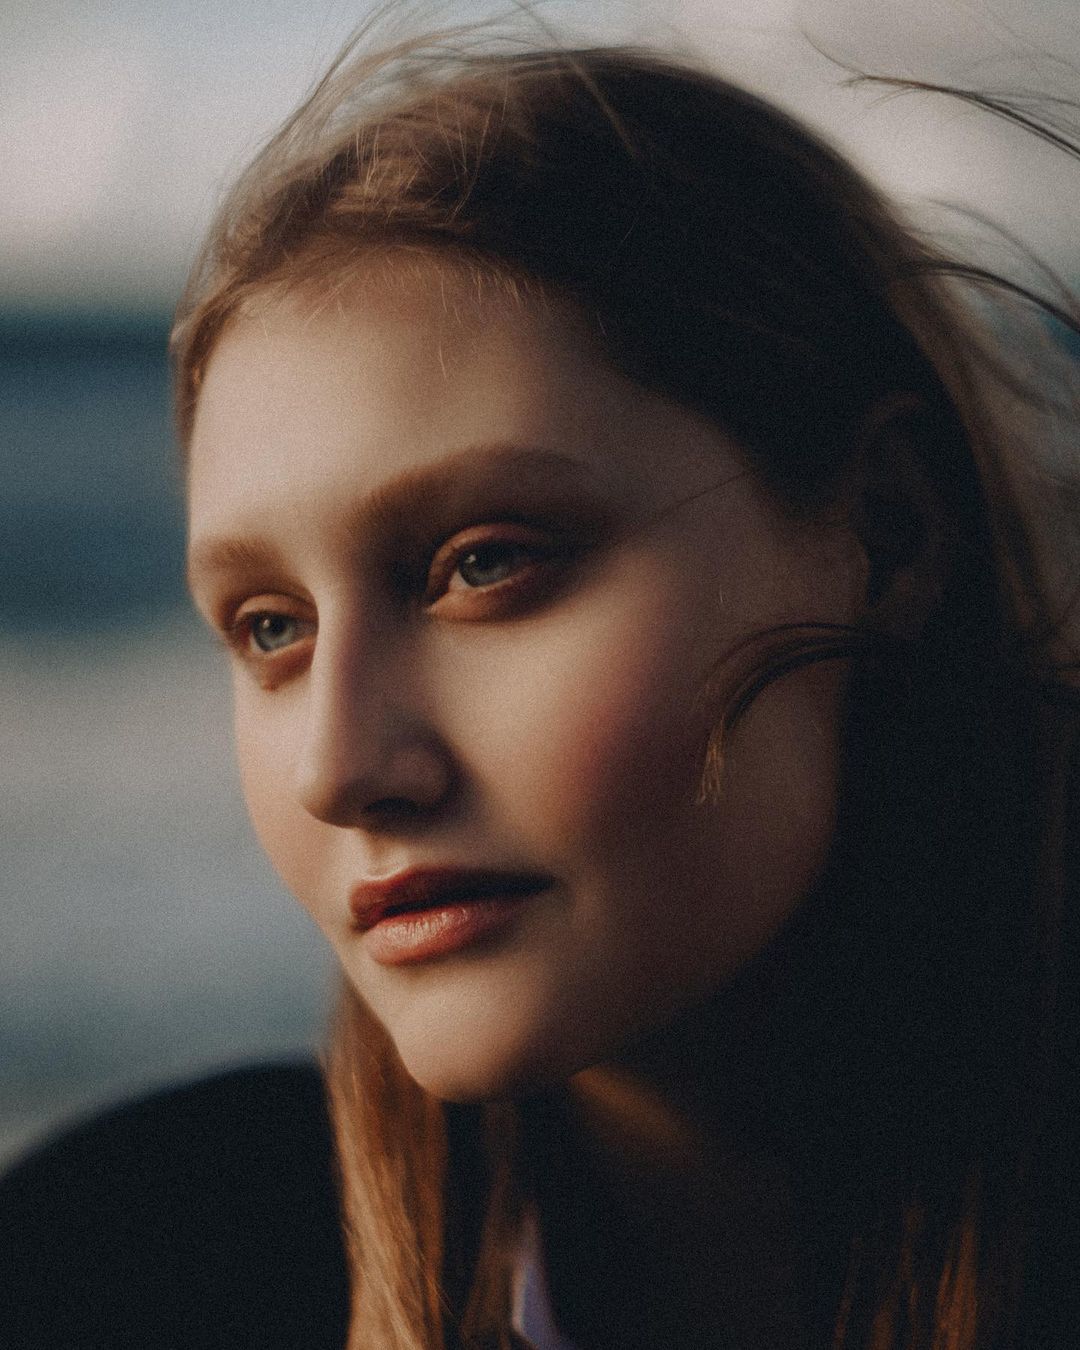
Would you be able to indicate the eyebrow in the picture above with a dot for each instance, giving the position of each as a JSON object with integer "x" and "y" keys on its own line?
{"x": 425, "y": 491}
{"x": 214, "y": 555}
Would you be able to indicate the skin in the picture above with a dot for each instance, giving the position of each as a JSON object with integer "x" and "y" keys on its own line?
{"x": 554, "y": 720}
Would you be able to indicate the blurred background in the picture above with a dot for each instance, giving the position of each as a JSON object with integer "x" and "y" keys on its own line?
{"x": 142, "y": 936}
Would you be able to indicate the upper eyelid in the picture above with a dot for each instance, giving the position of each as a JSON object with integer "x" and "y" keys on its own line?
{"x": 488, "y": 532}
{"x": 560, "y": 517}
{"x": 275, "y": 602}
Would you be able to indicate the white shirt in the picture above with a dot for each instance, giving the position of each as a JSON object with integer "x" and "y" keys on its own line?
{"x": 532, "y": 1315}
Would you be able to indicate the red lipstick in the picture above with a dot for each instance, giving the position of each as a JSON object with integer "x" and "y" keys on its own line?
{"x": 428, "y": 912}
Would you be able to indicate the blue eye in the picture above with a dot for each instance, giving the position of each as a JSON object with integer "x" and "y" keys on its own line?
{"x": 488, "y": 564}
{"x": 273, "y": 644}
{"x": 490, "y": 571}
{"x": 272, "y": 632}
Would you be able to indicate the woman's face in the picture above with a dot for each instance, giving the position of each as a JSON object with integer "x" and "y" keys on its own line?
{"x": 474, "y": 583}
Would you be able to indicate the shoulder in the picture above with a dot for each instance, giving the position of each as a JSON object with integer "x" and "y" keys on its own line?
{"x": 203, "y": 1215}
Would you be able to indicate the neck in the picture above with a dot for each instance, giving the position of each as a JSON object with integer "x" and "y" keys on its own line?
{"x": 712, "y": 1075}
{"x": 671, "y": 1157}
{"x": 689, "y": 1139}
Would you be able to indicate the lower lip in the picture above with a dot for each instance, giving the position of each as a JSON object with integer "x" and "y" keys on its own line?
{"x": 422, "y": 935}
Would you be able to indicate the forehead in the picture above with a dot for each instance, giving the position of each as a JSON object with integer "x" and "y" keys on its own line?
{"x": 398, "y": 374}
{"x": 392, "y": 349}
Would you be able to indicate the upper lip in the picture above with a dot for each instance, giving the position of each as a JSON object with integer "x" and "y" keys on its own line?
{"x": 419, "y": 887}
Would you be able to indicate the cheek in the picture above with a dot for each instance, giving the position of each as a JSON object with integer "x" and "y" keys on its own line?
{"x": 591, "y": 745}
{"x": 288, "y": 835}
{"x": 629, "y": 757}
{"x": 589, "y": 726}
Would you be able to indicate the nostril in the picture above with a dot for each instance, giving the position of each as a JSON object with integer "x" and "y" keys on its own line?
{"x": 393, "y": 808}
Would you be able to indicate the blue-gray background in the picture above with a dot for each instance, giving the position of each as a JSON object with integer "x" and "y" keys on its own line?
{"x": 142, "y": 936}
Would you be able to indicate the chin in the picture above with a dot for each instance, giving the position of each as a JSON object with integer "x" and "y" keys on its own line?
{"x": 472, "y": 1073}
{"x": 480, "y": 1031}
{"x": 479, "y": 1059}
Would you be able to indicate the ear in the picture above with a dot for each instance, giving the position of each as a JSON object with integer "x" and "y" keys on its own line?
{"x": 898, "y": 519}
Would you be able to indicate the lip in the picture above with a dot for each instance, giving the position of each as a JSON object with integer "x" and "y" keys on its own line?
{"x": 425, "y": 912}
{"x": 432, "y": 888}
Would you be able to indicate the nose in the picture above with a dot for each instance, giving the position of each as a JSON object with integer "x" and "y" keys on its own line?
{"x": 370, "y": 754}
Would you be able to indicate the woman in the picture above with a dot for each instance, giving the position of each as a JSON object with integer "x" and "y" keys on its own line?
{"x": 644, "y": 674}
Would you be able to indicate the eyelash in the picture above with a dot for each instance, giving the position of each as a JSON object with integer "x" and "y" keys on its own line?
{"x": 451, "y": 557}
{"x": 541, "y": 557}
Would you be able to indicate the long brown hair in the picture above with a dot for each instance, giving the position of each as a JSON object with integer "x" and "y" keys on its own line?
{"x": 730, "y": 260}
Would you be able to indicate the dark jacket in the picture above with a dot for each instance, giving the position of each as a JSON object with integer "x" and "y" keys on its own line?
{"x": 203, "y": 1216}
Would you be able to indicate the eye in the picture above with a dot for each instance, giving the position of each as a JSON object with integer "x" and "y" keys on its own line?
{"x": 488, "y": 564}
{"x": 271, "y": 632}
{"x": 261, "y": 635}
{"x": 490, "y": 569}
